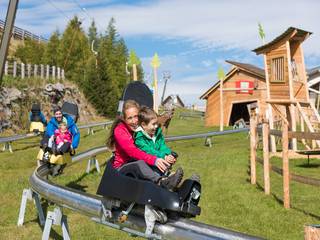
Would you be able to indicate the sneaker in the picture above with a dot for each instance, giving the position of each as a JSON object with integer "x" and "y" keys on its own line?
{"x": 195, "y": 177}
{"x": 172, "y": 181}
{"x": 45, "y": 157}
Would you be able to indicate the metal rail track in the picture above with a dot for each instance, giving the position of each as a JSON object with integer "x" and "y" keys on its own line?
{"x": 91, "y": 206}
{"x": 8, "y": 140}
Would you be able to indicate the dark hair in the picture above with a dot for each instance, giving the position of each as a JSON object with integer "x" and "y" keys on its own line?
{"x": 127, "y": 105}
{"x": 56, "y": 109}
{"x": 146, "y": 115}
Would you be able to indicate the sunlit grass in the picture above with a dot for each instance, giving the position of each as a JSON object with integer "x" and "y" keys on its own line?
{"x": 228, "y": 199}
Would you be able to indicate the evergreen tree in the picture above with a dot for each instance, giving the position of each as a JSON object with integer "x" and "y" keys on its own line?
{"x": 51, "y": 53}
{"x": 31, "y": 52}
{"x": 93, "y": 36}
{"x": 74, "y": 51}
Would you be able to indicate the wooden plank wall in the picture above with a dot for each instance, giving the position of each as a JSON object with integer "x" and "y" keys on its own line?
{"x": 213, "y": 100}
{"x": 299, "y": 88}
{"x": 278, "y": 90}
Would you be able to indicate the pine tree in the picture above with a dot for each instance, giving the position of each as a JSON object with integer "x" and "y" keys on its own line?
{"x": 31, "y": 52}
{"x": 93, "y": 35}
{"x": 51, "y": 53}
{"x": 74, "y": 51}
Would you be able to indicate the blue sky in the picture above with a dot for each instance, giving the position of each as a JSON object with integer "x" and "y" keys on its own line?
{"x": 192, "y": 38}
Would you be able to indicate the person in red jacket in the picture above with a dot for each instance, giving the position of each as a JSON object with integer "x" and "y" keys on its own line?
{"x": 128, "y": 159}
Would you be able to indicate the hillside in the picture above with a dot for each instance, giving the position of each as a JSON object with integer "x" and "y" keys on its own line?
{"x": 16, "y": 102}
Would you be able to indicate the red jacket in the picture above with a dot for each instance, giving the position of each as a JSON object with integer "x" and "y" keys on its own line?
{"x": 126, "y": 150}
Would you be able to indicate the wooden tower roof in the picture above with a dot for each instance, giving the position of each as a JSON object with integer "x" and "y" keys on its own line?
{"x": 291, "y": 33}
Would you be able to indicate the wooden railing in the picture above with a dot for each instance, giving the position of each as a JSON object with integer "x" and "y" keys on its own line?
{"x": 21, "y": 34}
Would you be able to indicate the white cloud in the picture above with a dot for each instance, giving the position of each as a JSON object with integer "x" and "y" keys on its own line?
{"x": 205, "y": 24}
{"x": 208, "y": 24}
{"x": 207, "y": 63}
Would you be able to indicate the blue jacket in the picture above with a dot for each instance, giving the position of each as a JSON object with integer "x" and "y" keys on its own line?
{"x": 71, "y": 125}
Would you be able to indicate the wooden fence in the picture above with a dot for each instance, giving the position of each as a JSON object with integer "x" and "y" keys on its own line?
{"x": 285, "y": 135}
{"x": 22, "y": 70}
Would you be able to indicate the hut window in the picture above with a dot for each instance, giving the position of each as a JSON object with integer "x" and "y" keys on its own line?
{"x": 277, "y": 69}
{"x": 244, "y": 86}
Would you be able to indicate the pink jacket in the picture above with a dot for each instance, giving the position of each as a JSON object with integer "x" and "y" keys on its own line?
{"x": 125, "y": 148}
{"x": 60, "y": 137}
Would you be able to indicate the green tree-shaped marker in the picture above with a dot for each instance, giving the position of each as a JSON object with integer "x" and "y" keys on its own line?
{"x": 155, "y": 63}
{"x": 261, "y": 32}
{"x": 134, "y": 61}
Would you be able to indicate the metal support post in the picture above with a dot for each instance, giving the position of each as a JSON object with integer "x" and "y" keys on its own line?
{"x": 90, "y": 131}
{"x": 93, "y": 162}
{"x": 28, "y": 194}
{"x": 57, "y": 218}
{"x": 208, "y": 142}
{"x": 7, "y": 146}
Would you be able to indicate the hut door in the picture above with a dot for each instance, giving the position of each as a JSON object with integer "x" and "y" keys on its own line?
{"x": 239, "y": 110}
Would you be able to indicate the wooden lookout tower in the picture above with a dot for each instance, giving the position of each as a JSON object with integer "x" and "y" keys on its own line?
{"x": 286, "y": 81}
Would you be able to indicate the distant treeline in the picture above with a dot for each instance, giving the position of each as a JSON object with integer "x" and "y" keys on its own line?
{"x": 96, "y": 62}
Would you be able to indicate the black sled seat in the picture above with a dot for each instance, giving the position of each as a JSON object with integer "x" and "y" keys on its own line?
{"x": 70, "y": 109}
{"x": 36, "y": 125}
{"x": 129, "y": 189}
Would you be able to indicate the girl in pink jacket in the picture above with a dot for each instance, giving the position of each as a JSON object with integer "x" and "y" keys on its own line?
{"x": 63, "y": 138}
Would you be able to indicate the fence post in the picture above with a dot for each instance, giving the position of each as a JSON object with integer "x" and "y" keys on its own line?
{"x": 29, "y": 70}
{"x": 22, "y": 71}
{"x": 266, "y": 164}
{"x": 47, "y": 72}
{"x": 253, "y": 145}
{"x": 35, "y": 70}
{"x": 58, "y": 73}
{"x": 41, "y": 71}
{"x": 14, "y": 69}
{"x": 53, "y": 72}
{"x": 285, "y": 165}
{"x": 62, "y": 74}
{"x": 6, "y": 69}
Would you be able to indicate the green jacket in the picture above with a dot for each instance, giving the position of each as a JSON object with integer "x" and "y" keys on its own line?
{"x": 156, "y": 147}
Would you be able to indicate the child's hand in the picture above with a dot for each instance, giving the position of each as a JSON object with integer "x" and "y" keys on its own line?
{"x": 170, "y": 159}
{"x": 65, "y": 140}
{"x": 162, "y": 164}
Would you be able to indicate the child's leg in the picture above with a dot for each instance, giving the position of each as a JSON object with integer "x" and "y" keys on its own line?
{"x": 64, "y": 148}
{"x": 141, "y": 170}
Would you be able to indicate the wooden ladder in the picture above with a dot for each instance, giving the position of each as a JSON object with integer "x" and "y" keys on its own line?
{"x": 311, "y": 117}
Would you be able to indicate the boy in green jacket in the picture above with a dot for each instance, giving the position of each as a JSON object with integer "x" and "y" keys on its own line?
{"x": 149, "y": 137}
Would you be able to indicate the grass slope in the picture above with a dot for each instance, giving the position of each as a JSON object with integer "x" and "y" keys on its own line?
{"x": 228, "y": 199}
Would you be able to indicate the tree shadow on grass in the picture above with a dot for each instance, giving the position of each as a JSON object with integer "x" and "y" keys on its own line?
{"x": 74, "y": 184}
{"x": 310, "y": 165}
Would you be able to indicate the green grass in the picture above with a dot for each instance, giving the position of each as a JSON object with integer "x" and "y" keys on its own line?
{"x": 228, "y": 199}
{"x": 18, "y": 82}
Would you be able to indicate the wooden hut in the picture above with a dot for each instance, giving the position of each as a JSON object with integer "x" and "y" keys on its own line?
{"x": 173, "y": 101}
{"x": 243, "y": 84}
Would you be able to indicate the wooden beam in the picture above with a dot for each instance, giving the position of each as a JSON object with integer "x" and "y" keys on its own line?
{"x": 284, "y": 118}
{"x": 304, "y": 79}
{"x": 281, "y": 101}
{"x": 269, "y": 113}
{"x": 221, "y": 105}
{"x": 285, "y": 165}
{"x": 266, "y": 163}
{"x": 253, "y": 146}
